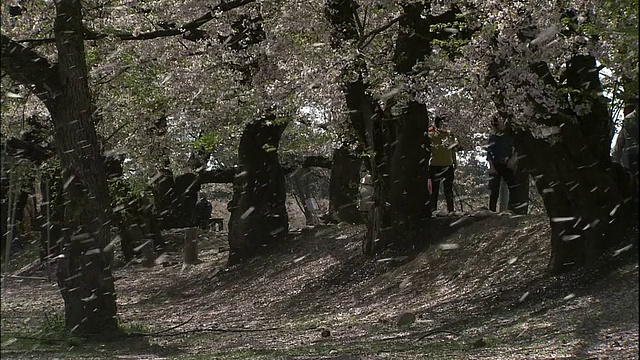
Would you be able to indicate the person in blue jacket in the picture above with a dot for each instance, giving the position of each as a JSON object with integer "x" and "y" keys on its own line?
{"x": 501, "y": 161}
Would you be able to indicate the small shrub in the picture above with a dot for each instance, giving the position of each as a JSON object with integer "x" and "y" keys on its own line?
{"x": 134, "y": 327}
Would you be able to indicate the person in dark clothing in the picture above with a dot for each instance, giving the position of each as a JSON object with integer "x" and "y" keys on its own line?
{"x": 442, "y": 164}
{"x": 501, "y": 161}
{"x": 202, "y": 212}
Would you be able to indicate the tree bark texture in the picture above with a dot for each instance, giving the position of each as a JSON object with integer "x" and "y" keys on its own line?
{"x": 258, "y": 219}
{"x": 367, "y": 118}
{"x": 344, "y": 186}
{"x": 586, "y": 196}
{"x": 408, "y": 173}
{"x": 84, "y": 276}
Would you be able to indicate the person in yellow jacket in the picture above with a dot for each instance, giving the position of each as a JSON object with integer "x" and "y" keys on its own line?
{"x": 442, "y": 163}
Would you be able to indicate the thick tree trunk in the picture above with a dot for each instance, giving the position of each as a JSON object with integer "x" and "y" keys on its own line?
{"x": 186, "y": 187}
{"x": 409, "y": 174}
{"x": 344, "y": 187}
{"x": 367, "y": 118}
{"x": 258, "y": 217}
{"x": 583, "y": 199}
{"x": 586, "y": 196}
{"x": 84, "y": 275}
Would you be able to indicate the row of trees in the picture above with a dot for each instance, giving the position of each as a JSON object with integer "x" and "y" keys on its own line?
{"x": 160, "y": 82}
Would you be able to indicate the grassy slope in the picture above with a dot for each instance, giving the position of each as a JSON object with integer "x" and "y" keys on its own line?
{"x": 491, "y": 285}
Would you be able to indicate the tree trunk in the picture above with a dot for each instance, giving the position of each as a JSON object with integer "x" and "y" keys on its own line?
{"x": 258, "y": 217}
{"x": 344, "y": 187}
{"x": 519, "y": 195}
{"x": 586, "y": 196}
{"x": 409, "y": 173}
{"x": 397, "y": 146}
{"x": 301, "y": 189}
{"x": 52, "y": 214}
{"x": 190, "y": 250}
{"x": 186, "y": 187}
{"x": 84, "y": 275}
{"x": 164, "y": 195}
{"x": 366, "y": 117}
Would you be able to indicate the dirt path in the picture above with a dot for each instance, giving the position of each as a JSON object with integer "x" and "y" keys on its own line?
{"x": 319, "y": 298}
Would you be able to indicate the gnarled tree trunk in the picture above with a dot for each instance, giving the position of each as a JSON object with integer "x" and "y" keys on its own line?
{"x": 258, "y": 219}
{"x": 586, "y": 196}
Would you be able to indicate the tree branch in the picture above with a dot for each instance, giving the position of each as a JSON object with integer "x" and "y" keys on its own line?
{"x": 366, "y": 40}
{"x": 29, "y": 68}
{"x": 193, "y": 25}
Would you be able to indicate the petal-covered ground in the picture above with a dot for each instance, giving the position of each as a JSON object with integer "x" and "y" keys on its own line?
{"x": 480, "y": 291}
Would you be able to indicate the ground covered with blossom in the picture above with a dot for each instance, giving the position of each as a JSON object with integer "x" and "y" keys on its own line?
{"x": 480, "y": 292}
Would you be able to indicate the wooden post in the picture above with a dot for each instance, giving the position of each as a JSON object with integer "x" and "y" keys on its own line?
{"x": 148, "y": 257}
{"x": 191, "y": 246}
{"x": 47, "y": 198}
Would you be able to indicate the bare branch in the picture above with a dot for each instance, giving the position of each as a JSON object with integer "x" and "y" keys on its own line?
{"x": 359, "y": 25}
{"x": 366, "y": 40}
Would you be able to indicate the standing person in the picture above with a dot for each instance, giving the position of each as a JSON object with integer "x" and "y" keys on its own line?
{"x": 625, "y": 151}
{"x": 442, "y": 163}
{"x": 501, "y": 161}
{"x": 202, "y": 212}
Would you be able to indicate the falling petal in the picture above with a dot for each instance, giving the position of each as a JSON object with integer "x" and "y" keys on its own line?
{"x": 92, "y": 297}
{"x": 449, "y": 246}
{"x": 621, "y": 250}
{"x": 570, "y": 296}
{"x": 512, "y": 260}
{"x": 523, "y": 297}
{"x": 276, "y": 231}
{"x": 615, "y": 209}
{"x": 66, "y": 184}
{"x": 93, "y": 251}
{"x": 299, "y": 259}
{"x": 247, "y": 213}
{"x": 8, "y": 342}
{"x": 570, "y": 237}
{"x": 561, "y": 219}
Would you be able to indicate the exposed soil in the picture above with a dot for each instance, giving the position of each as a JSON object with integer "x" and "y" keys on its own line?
{"x": 484, "y": 280}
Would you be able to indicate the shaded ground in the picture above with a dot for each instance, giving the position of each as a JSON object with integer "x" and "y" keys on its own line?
{"x": 483, "y": 279}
